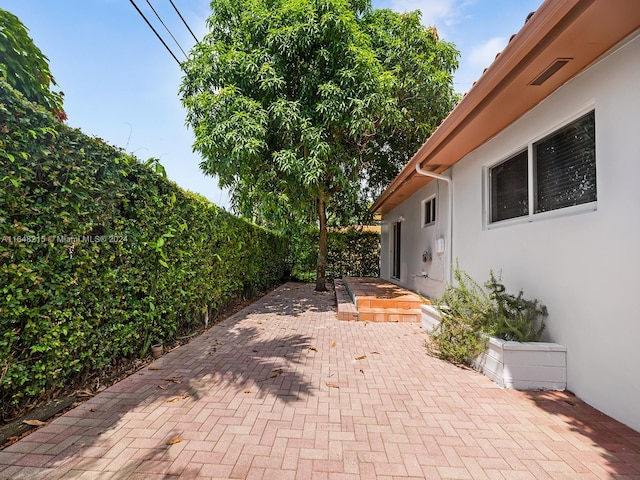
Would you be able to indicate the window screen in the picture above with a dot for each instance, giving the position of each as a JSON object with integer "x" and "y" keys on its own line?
{"x": 565, "y": 166}
{"x": 509, "y": 188}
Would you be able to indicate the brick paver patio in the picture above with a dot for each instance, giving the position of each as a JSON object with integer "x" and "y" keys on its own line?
{"x": 283, "y": 390}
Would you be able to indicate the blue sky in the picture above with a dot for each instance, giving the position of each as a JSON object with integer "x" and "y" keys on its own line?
{"x": 121, "y": 85}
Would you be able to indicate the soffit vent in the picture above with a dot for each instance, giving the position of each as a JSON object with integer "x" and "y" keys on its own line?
{"x": 550, "y": 71}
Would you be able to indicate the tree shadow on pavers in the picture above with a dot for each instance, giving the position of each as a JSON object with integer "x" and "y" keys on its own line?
{"x": 239, "y": 358}
{"x": 618, "y": 445}
{"x": 156, "y": 464}
{"x": 295, "y": 299}
{"x": 237, "y": 362}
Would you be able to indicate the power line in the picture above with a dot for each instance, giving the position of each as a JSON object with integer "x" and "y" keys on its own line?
{"x": 166, "y": 28}
{"x": 183, "y": 21}
{"x": 157, "y": 34}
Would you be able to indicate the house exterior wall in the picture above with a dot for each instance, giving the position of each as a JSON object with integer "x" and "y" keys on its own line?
{"x": 415, "y": 239}
{"x": 584, "y": 266}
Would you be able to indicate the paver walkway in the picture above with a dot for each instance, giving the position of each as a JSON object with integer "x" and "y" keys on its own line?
{"x": 284, "y": 390}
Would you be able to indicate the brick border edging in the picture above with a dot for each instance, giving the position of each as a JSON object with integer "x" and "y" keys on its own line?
{"x": 347, "y": 310}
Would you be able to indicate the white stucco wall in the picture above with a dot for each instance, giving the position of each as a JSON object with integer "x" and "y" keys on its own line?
{"x": 585, "y": 267}
{"x": 416, "y": 239}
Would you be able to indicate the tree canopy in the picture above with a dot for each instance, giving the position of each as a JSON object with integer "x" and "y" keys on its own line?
{"x": 305, "y": 108}
{"x": 25, "y": 67}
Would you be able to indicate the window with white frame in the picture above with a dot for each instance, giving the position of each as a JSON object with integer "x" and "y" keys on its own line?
{"x": 509, "y": 183}
{"x": 429, "y": 211}
{"x": 562, "y": 169}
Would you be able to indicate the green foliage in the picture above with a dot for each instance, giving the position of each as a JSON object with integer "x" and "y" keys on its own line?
{"x": 25, "y": 67}
{"x": 514, "y": 317}
{"x": 100, "y": 255}
{"x": 299, "y": 105}
{"x": 464, "y": 309}
{"x": 352, "y": 252}
{"x": 419, "y": 70}
{"x": 470, "y": 313}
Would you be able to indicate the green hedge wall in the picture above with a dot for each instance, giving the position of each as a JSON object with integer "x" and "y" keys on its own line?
{"x": 352, "y": 252}
{"x": 100, "y": 255}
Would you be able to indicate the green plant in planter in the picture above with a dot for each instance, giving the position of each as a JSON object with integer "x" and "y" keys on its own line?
{"x": 464, "y": 309}
{"x": 471, "y": 313}
{"x": 514, "y": 317}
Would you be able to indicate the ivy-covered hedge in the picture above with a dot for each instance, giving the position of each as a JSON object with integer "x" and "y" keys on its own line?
{"x": 100, "y": 255}
{"x": 352, "y": 252}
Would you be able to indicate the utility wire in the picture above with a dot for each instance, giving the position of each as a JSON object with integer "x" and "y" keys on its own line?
{"x": 166, "y": 28}
{"x": 183, "y": 21}
{"x": 157, "y": 34}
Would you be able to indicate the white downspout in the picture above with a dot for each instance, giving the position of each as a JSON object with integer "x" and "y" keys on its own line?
{"x": 437, "y": 176}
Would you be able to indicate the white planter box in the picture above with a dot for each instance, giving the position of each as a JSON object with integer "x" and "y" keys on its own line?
{"x": 524, "y": 365}
{"x": 430, "y": 318}
{"x": 517, "y": 365}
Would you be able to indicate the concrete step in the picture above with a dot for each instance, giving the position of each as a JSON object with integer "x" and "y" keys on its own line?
{"x": 373, "y": 300}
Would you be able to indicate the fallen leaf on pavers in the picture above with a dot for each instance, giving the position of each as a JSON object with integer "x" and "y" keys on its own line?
{"x": 173, "y": 379}
{"x": 331, "y": 385}
{"x": 276, "y": 373}
{"x": 361, "y": 357}
{"x": 172, "y": 400}
{"x": 313, "y": 349}
{"x": 186, "y": 395}
{"x": 259, "y": 323}
{"x": 162, "y": 387}
{"x": 247, "y": 391}
{"x": 173, "y": 441}
{"x": 254, "y": 350}
{"x": 333, "y": 344}
{"x": 375, "y": 353}
{"x": 93, "y": 410}
{"x": 155, "y": 368}
{"x": 34, "y": 423}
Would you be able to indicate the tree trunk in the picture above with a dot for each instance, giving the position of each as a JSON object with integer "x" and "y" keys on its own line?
{"x": 321, "y": 285}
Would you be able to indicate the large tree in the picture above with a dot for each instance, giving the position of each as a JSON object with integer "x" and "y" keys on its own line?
{"x": 300, "y": 106}
{"x": 421, "y": 89}
{"x": 25, "y": 67}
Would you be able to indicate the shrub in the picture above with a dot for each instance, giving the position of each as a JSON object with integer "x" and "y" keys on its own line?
{"x": 514, "y": 317}
{"x": 470, "y": 313}
{"x": 352, "y": 252}
{"x": 100, "y": 255}
{"x": 464, "y": 309}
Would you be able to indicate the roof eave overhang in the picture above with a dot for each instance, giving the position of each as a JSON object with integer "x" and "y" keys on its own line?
{"x": 580, "y": 31}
